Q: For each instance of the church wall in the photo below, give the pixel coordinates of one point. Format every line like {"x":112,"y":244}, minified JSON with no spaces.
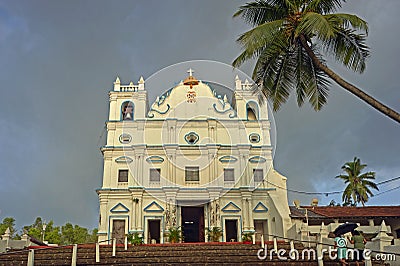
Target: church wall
{"x":158,"y":138}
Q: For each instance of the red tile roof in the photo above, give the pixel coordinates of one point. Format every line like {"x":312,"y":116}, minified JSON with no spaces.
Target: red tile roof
{"x":368,"y":211}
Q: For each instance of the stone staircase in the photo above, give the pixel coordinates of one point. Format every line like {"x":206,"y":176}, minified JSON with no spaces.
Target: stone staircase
{"x":158,"y":254}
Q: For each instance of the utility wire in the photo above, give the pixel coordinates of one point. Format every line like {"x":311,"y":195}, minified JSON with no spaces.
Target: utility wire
{"x":336,"y":192}
{"x":387,"y":181}
{"x":383,"y":192}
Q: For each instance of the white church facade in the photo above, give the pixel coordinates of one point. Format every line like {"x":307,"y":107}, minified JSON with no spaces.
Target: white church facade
{"x":193,"y":159}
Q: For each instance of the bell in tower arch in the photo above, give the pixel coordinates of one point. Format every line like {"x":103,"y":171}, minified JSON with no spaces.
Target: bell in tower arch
{"x":127,"y":113}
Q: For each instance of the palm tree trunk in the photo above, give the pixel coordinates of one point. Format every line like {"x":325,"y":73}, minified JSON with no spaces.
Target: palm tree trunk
{"x":349,"y":87}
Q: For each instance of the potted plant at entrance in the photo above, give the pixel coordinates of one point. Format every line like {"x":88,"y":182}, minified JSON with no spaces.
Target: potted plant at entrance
{"x":174,"y":234}
{"x":135,"y":239}
{"x":247,"y":238}
{"x":214,"y":234}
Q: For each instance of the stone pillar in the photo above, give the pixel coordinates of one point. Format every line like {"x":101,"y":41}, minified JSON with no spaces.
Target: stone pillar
{"x":171,"y":129}
{"x":206,"y":218}
{"x":304,"y":232}
{"x":173,"y":159}
{"x":139,"y":151}
{"x":213,"y":165}
{"x":170,"y":152}
{"x":7,"y":237}
{"x":141,"y":172}
{"x":244,"y":151}
{"x":214,"y":194}
{"x":136,"y":212}
{"x":103,"y":213}
{"x":323,"y":231}
{"x":246,"y":209}
{"x":250,"y":214}
{"x":107,"y":171}
{"x":140,"y":211}
{"x":111,"y":126}
{"x":25,"y":238}
{"x":113,"y":115}
{"x":170,"y":201}
{"x":382,"y":239}
{"x":244,"y":214}
{"x":210,"y":167}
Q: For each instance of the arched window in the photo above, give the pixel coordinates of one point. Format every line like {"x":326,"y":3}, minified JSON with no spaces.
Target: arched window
{"x":252,"y":111}
{"x":127,"y":110}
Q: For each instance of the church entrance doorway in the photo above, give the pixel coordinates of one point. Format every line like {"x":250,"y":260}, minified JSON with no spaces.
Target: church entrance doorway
{"x":193,"y":224}
{"x":261,"y":228}
{"x":118,"y":231}
{"x":231,"y":231}
{"x":154,"y":231}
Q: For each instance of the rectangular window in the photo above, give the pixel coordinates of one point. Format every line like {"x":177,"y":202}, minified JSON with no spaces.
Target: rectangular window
{"x":192,"y":174}
{"x":258,"y":175}
{"x":229,"y":175}
{"x":155,"y":174}
{"x":123,"y":175}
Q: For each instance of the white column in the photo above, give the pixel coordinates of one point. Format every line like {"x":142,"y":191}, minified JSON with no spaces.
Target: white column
{"x":140,"y":209}
{"x":103,"y":213}
{"x":250,"y":213}
{"x":210,"y":167}
{"x":107,"y":170}
{"x":244,"y":214}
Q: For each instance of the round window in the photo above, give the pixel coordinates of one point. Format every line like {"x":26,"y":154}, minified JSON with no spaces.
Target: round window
{"x":125,"y":138}
{"x":191,"y":138}
{"x":254,"y":138}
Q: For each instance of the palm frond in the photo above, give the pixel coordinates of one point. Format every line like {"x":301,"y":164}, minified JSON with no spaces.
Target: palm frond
{"x":346,"y":21}
{"x":275,"y":70}
{"x":255,"y":40}
{"x":349,"y":49}
{"x":258,"y":12}
{"x":316,"y":84}
{"x":323,"y":6}
{"x":371,"y":184}
{"x":358,"y":185}
{"x":318,"y":95}
{"x":314,"y":24}
{"x":301,"y":85}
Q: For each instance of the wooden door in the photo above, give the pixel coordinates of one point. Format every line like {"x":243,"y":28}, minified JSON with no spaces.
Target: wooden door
{"x":118,"y":231}
{"x":261,"y":228}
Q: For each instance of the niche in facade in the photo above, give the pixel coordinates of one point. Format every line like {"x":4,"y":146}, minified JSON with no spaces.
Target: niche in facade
{"x":254,"y":138}
{"x":127,"y":109}
{"x":252,"y":111}
{"x":125,"y":138}
{"x":191,"y":138}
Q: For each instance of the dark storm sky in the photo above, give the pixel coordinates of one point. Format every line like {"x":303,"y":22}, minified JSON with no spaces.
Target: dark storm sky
{"x":58,"y":60}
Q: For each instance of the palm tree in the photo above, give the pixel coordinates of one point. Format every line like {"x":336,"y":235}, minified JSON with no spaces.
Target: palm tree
{"x":287,"y":40}
{"x":358,"y":184}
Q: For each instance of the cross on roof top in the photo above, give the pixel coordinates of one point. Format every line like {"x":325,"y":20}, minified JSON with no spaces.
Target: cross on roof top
{"x":190,"y":71}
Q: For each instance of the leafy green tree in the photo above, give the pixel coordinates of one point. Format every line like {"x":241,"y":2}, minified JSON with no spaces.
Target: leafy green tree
{"x":359,"y":184}
{"x":64,"y":235}
{"x":67,"y":234}
{"x":52,"y":233}
{"x":35,"y":230}
{"x":74,"y":234}
{"x":288,"y":39}
{"x":93,"y":236}
{"x":8,"y":222}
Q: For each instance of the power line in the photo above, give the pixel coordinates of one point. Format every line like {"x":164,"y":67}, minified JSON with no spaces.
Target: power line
{"x":389,"y":180}
{"x":305,"y":192}
{"x":336,"y":192}
{"x":383,"y":192}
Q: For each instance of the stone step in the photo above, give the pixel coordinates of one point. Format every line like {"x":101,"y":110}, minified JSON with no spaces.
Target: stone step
{"x":160,"y":254}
